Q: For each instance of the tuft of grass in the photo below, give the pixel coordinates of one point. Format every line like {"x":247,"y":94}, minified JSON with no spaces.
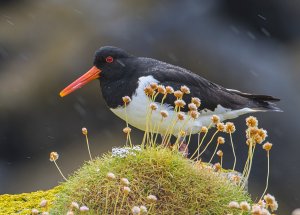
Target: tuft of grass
{"x":181,"y":187}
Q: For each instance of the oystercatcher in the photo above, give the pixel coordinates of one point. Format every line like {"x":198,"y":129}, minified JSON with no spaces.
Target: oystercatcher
{"x":122,"y":74}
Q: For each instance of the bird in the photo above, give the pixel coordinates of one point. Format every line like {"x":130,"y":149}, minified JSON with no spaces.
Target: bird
{"x":122,"y":74}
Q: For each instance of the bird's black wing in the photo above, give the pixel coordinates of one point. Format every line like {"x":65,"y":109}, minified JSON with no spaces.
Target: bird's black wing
{"x":211,"y":94}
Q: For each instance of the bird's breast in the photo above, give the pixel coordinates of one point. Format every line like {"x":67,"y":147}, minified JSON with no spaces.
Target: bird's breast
{"x":138,"y":113}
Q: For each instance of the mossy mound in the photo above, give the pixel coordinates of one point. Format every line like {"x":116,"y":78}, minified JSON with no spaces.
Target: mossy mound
{"x":25,"y":202}
{"x":181,"y":187}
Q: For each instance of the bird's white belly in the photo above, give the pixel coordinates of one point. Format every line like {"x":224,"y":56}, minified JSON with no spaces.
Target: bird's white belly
{"x":137,"y":111}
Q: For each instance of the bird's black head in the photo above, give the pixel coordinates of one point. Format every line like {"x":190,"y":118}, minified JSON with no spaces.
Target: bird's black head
{"x":111,"y":61}
{"x":109,"y":64}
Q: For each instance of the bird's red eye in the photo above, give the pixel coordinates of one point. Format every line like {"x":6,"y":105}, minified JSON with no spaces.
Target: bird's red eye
{"x":109,"y":59}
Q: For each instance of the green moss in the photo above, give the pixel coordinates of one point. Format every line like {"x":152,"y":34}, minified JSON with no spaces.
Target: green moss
{"x":25,"y":202}
{"x":180,"y":186}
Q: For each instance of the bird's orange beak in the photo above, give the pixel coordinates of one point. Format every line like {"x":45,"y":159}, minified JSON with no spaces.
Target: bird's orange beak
{"x":92,"y":74}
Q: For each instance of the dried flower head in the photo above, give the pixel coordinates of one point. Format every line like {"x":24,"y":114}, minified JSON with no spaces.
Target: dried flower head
{"x":152,"y":198}
{"x":204,"y":129}
{"x":111,"y":176}
{"x":192,"y":106}
{"x":215,"y":119}
{"x":178,"y":94}
{"x":235,"y":178}
{"x":263,"y":134}
{"x":135,"y":210}
{"x":74,"y":205}
{"x":267,"y":146}
{"x":271,"y":202}
{"x":84,"y":208}
{"x":149,"y":91}
{"x":221,"y":127}
{"x":220,"y":140}
{"x":179,"y":103}
{"x":34,"y":211}
{"x":161,"y":89}
{"x":45,"y":213}
{"x":233,"y":204}
{"x":245,"y":206}
{"x":269,"y":199}
{"x":164,"y":113}
{"x":84,"y":131}
{"x":256,"y":210}
{"x":220,"y":153}
{"x":180,"y":116}
{"x":126,"y":190}
{"x":185,"y":89}
{"x":70,"y":213}
{"x":169,"y":90}
{"x":194,"y":114}
{"x":217,"y":167}
{"x":126,"y":100}
{"x":43,"y":203}
{"x":143,"y":209}
{"x":196,"y":101}
{"x":126,"y":130}
{"x":229,"y":127}
{"x":154,"y":85}
{"x":182,"y":133}
{"x":125,"y":181}
{"x":153,"y":106}
{"x":53,"y":156}
{"x":251,"y":121}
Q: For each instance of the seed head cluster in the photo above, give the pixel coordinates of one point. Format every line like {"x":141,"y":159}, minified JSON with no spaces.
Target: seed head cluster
{"x":54,"y":156}
{"x":221,"y":140}
{"x":126,"y":100}
{"x":126,"y":130}
{"x":196,"y":101}
{"x":111,"y":176}
{"x":153,"y":106}
{"x":267,"y":146}
{"x":178,"y":94}
{"x":192,"y":106}
{"x":161,"y":89}
{"x":185,"y":89}
{"x":169,"y":90}
{"x":220,"y":153}
{"x":180,"y":116}
{"x":215,"y":119}
{"x":229,"y":127}
{"x":151,"y":198}
{"x":221,"y":127}
{"x":204,"y":129}
{"x":164,"y":113}
{"x":180,"y":103}
{"x":84,"y":131}
{"x":251,"y":121}
{"x":194,"y":114}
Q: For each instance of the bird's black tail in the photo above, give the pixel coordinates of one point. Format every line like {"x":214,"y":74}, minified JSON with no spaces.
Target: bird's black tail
{"x":262,"y":102}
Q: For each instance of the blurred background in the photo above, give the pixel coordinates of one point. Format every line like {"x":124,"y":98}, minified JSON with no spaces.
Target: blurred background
{"x":250,"y":45}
